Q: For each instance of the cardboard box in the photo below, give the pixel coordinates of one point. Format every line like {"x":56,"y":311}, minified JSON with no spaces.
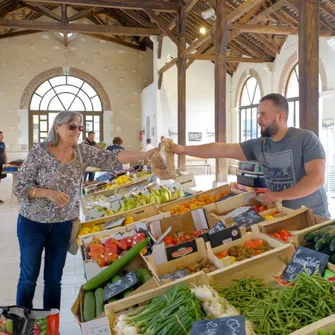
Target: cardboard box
{"x":326,"y":324}
{"x":138,"y":214}
{"x":186,"y":180}
{"x":299,"y":222}
{"x":248,"y":236}
{"x":99,"y":325}
{"x":160,"y":270}
{"x":188,"y":222}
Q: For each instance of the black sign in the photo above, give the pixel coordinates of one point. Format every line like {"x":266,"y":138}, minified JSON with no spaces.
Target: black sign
{"x":232,"y":325}
{"x":121,"y":285}
{"x":181,"y":250}
{"x":247,"y":219}
{"x":218,"y":227}
{"x":175,"y":275}
{"x":223,"y":236}
{"x":307,"y":260}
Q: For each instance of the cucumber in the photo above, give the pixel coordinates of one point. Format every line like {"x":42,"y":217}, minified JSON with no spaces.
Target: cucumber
{"x":89,"y":306}
{"x":319,"y":233}
{"x":320,"y":245}
{"x":115,"y":278}
{"x":310,"y":246}
{"x":99,"y":295}
{"x":327,"y":251}
{"x":313,"y":236}
{"x":332,"y":245}
{"x":112,"y":300}
{"x":143,"y":275}
{"x":332,"y":259}
{"x":329,"y":235}
{"x":115,"y":267}
{"x":128,"y":293}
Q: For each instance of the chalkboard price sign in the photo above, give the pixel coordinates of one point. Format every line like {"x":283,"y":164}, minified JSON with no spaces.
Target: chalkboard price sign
{"x":121,"y":285}
{"x":248,"y":219}
{"x":232,"y":325}
{"x":307,"y":260}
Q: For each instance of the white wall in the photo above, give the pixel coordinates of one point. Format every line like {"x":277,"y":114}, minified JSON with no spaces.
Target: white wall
{"x":199,"y":97}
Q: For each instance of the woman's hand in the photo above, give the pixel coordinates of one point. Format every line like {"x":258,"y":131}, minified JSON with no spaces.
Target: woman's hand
{"x":59,"y":198}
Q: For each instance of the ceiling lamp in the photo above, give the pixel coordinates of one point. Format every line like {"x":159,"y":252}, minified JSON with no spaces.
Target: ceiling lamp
{"x":209,"y":14}
{"x":203,"y":30}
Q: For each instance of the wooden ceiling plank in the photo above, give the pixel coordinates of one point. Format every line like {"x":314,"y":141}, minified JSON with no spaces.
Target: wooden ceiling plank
{"x":45,"y":11}
{"x":136,"y":17}
{"x":116,"y":40}
{"x":200,"y":41}
{"x":164,"y":28}
{"x":251,"y":13}
{"x":199,"y":52}
{"x":242,"y":10}
{"x":75,"y":27}
{"x":133,"y":4}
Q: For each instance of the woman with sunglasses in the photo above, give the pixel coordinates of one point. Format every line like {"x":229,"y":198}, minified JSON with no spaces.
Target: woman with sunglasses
{"x":48,"y":189}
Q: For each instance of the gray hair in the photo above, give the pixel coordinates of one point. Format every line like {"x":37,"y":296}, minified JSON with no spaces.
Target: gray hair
{"x":62,"y":118}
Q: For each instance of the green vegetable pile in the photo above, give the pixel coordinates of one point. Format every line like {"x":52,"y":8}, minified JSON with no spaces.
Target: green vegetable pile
{"x":322,"y":332}
{"x":275,"y":311}
{"x":172,"y":313}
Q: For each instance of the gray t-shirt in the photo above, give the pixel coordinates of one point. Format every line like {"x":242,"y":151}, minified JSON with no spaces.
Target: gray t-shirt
{"x":283,"y":165}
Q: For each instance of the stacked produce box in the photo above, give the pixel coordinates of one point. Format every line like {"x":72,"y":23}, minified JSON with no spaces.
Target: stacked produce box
{"x":218,"y":257}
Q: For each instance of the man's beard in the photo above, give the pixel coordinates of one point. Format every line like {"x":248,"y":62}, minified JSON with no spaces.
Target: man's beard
{"x":271,"y":130}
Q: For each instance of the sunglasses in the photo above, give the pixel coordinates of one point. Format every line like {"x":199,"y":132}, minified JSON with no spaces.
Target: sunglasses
{"x":73,"y":127}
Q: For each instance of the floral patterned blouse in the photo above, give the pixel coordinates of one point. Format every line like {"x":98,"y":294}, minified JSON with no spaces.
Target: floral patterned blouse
{"x":42,"y":169}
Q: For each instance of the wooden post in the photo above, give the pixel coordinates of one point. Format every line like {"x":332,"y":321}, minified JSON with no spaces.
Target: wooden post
{"x":220,"y":85}
{"x":309,"y":64}
{"x":181,"y":64}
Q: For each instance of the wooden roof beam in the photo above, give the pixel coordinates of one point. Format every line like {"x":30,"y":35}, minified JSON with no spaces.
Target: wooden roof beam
{"x":273,"y":30}
{"x":230,"y":59}
{"x":19,"y":33}
{"x":43,"y":10}
{"x":77,"y":28}
{"x":161,"y":25}
{"x":167,"y":66}
{"x":85,"y":13}
{"x":133,"y":4}
{"x":242,"y":10}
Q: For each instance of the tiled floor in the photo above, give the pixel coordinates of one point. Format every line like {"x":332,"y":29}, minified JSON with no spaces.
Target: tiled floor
{"x":73,"y":271}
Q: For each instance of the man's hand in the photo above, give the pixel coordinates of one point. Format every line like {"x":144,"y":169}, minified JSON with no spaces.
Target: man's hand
{"x":149,"y":153}
{"x":271,"y":197}
{"x":59,"y":198}
{"x":177,"y":149}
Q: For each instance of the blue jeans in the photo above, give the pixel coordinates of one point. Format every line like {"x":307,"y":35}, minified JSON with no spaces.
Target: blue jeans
{"x":33,"y":238}
{"x":90,"y":176}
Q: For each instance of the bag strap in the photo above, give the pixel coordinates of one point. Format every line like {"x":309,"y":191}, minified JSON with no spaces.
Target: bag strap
{"x":80,"y":158}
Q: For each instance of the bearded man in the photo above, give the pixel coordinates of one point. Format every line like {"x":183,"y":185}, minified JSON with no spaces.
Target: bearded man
{"x":293,"y":160}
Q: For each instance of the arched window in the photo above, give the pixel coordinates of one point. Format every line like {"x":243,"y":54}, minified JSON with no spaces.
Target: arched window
{"x":292,"y":95}
{"x":250,"y":97}
{"x":64,"y":93}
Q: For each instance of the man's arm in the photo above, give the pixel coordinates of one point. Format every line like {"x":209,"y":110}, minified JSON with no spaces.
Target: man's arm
{"x":211,"y":150}
{"x":314,"y":179}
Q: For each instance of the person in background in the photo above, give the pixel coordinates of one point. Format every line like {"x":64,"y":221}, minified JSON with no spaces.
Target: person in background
{"x":3,"y":158}
{"x":90,"y":141}
{"x":117,"y":141}
{"x":293,"y":160}
{"x":160,"y":143}
{"x":148,"y":146}
{"x":48,"y":190}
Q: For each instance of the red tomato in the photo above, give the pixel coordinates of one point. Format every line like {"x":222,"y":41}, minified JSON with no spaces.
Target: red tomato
{"x":284,"y":238}
{"x":111,"y":241}
{"x":168,"y":240}
{"x":186,"y":237}
{"x":111,"y":257}
{"x":284,"y":232}
{"x":111,"y":248}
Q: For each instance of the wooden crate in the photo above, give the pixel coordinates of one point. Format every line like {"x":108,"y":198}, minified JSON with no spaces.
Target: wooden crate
{"x":168,"y":206}
{"x":142,"y":298}
{"x":299,"y":222}
{"x":138,"y":214}
{"x":326,"y":324}
{"x":121,"y":188}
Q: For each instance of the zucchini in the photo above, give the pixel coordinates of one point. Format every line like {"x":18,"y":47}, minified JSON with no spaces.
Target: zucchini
{"x":99,"y":295}
{"x":115,"y":278}
{"x":89,"y":306}
{"x":332,"y":245}
{"x":327,"y":251}
{"x":320,"y":245}
{"x":143,"y":275}
{"x":128,"y":293}
{"x":115,"y":267}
